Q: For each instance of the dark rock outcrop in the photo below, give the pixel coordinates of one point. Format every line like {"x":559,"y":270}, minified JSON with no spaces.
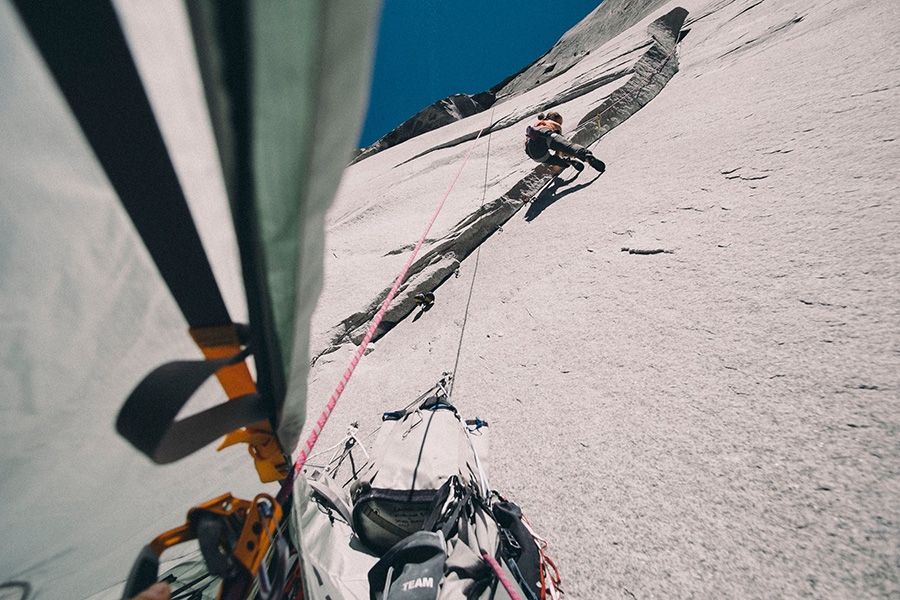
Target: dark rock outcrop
{"x":443,"y":112}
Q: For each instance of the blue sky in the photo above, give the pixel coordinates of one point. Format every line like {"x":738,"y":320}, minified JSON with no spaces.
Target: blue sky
{"x":431,"y":49}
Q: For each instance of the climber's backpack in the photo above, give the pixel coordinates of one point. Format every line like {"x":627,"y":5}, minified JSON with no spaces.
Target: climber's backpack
{"x":426,"y":524}
{"x":416,"y":458}
{"x":533,"y":133}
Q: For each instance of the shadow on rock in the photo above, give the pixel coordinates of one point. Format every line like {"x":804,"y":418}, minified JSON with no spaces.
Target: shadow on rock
{"x":551,"y":194}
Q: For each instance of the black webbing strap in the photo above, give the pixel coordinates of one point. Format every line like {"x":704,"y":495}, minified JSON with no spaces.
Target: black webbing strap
{"x":85,"y":49}
{"x":222,"y":39}
{"x":147,"y":418}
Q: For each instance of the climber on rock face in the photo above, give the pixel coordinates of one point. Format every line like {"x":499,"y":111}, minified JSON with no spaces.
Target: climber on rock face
{"x":546,"y":135}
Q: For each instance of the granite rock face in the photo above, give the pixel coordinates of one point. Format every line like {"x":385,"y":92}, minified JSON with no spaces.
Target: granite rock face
{"x":441,"y":260}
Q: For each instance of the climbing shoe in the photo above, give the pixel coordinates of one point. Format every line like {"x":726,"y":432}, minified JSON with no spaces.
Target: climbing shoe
{"x":596,"y":164}
{"x":426,"y":300}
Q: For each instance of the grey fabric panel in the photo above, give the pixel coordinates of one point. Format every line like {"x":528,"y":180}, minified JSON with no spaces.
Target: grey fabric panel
{"x":301,"y":186}
{"x":335,"y":563}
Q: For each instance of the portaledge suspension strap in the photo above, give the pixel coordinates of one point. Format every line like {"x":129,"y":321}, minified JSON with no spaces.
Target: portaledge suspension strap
{"x":85,"y":49}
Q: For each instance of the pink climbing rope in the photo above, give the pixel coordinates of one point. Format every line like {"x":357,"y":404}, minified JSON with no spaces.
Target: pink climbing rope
{"x":360,"y":350}
{"x":504,"y":580}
